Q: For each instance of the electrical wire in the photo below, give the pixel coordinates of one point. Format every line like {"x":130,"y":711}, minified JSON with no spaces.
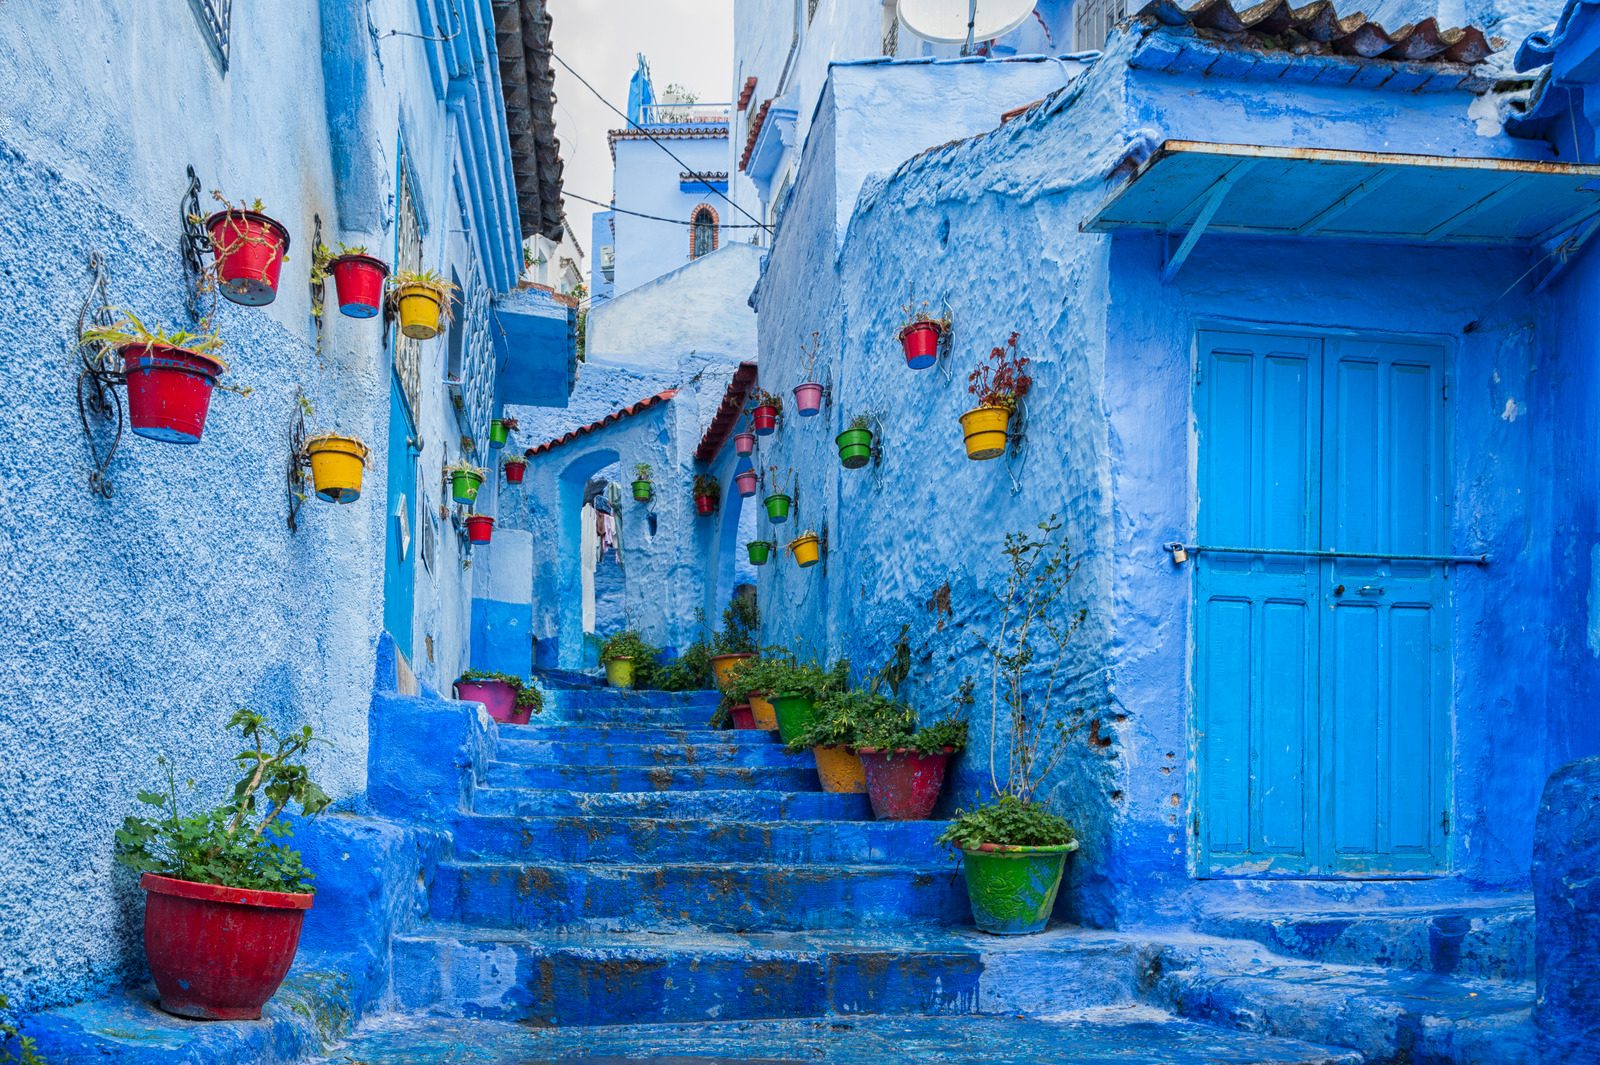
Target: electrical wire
{"x":656,"y":217}
{"x":654,"y":140}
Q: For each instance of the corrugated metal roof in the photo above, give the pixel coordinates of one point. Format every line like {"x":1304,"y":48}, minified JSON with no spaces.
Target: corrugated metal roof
{"x":727,"y":416}
{"x":1319,"y":28}
{"x":527,"y":83}
{"x":610,"y":419}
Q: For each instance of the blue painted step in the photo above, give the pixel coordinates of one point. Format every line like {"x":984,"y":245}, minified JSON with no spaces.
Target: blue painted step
{"x":654,"y":778}
{"x":687,"y":710}
{"x":760,"y":805}
{"x":572,"y":732}
{"x":658,"y":841}
{"x":565,"y":752}
{"x":726,"y":897}
{"x":598,"y":978}
{"x":1115,"y":1036}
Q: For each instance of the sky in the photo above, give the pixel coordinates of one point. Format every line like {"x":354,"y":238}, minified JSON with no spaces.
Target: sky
{"x":689,"y":42}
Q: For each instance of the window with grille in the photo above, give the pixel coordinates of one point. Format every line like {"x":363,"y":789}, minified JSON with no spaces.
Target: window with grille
{"x":1092,"y":21}
{"x":703,"y":232}
{"x":408,"y":256}
{"x":215,"y":18}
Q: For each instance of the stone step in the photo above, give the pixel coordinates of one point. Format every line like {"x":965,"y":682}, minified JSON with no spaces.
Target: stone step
{"x":653,"y":777}
{"x":648,"y":840}
{"x":612,"y":707}
{"x":567,"y":752}
{"x":1490,"y":940}
{"x":572,"y":732}
{"x":718,"y":897}
{"x":597,"y":978}
{"x":1386,"y":1014}
{"x":740,"y":805}
{"x":1125,"y":1035}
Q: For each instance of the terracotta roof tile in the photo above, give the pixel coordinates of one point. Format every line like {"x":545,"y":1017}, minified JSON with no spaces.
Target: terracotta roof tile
{"x":615,"y":416}
{"x":755,"y":131}
{"x":1318,"y":28}
{"x":727,"y":416}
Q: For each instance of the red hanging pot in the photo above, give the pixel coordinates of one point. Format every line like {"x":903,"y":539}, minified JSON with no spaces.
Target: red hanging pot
{"x":480,"y":528}
{"x":807,"y":399}
{"x":921,"y":344}
{"x":746,"y":482}
{"x":359,"y":281}
{"x":249,"y":248}
{"x":169,"y":391}
{"x":903,"y":785}
{"x":515,"y":471}
{"x":744,"y":444}
{"x":743,"y":716}
{"x":705,"y":505}
{"x":765,"y":420}
{"x":219,"y":953}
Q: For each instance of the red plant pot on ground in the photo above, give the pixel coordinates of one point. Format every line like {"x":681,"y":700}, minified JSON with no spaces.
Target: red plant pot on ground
{"x":746,"y":482}
{"x":743,"y":716}
{"x":807,"y":399}
{"x":359,"y":280}
{"x":480,"y":528}
{"x":219,"y":953}
{"x":514,"y":472}
{"x":704,"y":505}
{"x":903,"y":785}
{"x":765,"y":419}
{"x":921,"y":344}
{"x":744,"y":444}
{"x":497,"y":697}
{"x":249,"y":249}
{"x":169,"y":391}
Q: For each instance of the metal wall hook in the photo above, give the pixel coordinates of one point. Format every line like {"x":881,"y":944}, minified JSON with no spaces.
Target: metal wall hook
{"x":945,"y":358}
{"x":298,"y":460}
{"x":99,"y":403}
{"x":1016,"y":440}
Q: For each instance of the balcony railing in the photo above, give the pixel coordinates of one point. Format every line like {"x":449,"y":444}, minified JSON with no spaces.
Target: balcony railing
{"x":685,"y":114}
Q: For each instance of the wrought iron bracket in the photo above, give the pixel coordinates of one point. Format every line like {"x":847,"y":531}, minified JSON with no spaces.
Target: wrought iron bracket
{"x":195,"y":245}
{"x":317,"y":280}
{"x":299,"y":460}
{"x":944,"y":359}
{"x":1016,"y":441}
{"x":99,"y":403}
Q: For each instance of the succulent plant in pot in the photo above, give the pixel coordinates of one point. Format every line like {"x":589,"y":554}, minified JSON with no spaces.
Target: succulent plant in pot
{"x":643,"y":489}
{"x":358,"y":279}
{"x":465,"y":480}
{"x":424,"y":301}
{"x":516,"y":467}
{"x":170,"y":376}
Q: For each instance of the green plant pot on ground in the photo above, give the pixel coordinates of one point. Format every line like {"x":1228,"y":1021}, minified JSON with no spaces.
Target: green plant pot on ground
{"x":777,"y":508}
{"x":855,"y":448}
{"x":795,"y":714}
{"x":1013,"y":889}
{"x":619,"y":672}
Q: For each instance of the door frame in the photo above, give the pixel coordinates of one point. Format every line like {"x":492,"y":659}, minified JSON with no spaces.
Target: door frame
{"x":1449,"y":346}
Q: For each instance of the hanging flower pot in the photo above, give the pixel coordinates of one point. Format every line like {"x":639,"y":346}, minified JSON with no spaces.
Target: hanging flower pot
{"x":807,"y":399}
{"x":759,"y":551}
{"x":337,"y":465}
{"x":219,"y":953}
{"x":807,"y":549}
{"x":840,"y":770}
{"x":985,"y":430}
{"x":764,"y":413}
{"x":480,"y":528}
{"x":902,"y":784}
{"x":744,"y":444}
{"x":920,"y":341}
{"x":499,"y":433}
{"x":777,"y":506}
{"x":249,"y":249}
{"x":464,"y":483}
{"x":743,"y":716}
{"x":707,"y":492}
{"x":516,"y":469}
{"x":358,"y":279}
{"x":642,"y":491}
{"x":725,"y":666}
{"x":1012,"y":888}
{"x":169,"y":390}
{"x":422,"y":299}
{"x":855,"y":445}
{"x":704,"y":505}
{"x":745,"y":481}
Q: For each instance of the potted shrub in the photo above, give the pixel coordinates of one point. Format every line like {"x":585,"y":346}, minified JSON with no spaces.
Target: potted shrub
{"x":905,"y":766}
{"x":642,"y":488}
{"x":747,"y":684}
{"x":480,"y":528}
{"x":855,"y":443}
{"x":516,"y":467}
{"x":621,"y":654}
{"x":169,"y":376}
{"x":806,"y":548}
{"x":742,"y":716}
{"x":250,"y":250}
{"x":808,"y":394}
{"x":706,"y":493}
{"x":765,"y":407}
{"x":998,"y":385}
{"x":794,"y":688}
{"x":358,"y":280}
{"x":832,"y":733}
{"x":1015,"y":849}
{"x":777,"y":503}
{"x":224,"y":897}
{"x":920,"y":335}
{"x":507,"y":698}
{"x":423,"y":300}
{"x":500,"y":430}
{"x":465,"y":480}
{"x":337,"y":465}
{"x":735,"y":643}
{"x":760,"y":551}
{"x":744,"y":444}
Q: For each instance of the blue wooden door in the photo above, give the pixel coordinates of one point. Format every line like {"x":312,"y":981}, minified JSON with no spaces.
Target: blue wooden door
{"x":400,"y":549}
{"x":1320,"y":682}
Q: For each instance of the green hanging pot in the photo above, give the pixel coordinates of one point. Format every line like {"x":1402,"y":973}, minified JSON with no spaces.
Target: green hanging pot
{"x":1013,"y":889}
{"x":642,"y":491}
{"x":855,"y":448}
{"x":498,"y":433}
{"x":777,"y":508}
{"x":464,"y":485}
{"x":795,"y":713}
{"x":759,"y":550}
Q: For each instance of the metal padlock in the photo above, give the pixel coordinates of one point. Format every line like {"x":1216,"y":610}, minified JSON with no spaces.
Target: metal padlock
{"x":1179,"y":555}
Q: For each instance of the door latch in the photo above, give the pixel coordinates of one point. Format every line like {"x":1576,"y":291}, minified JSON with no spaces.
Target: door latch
{"x":1369,"y":589}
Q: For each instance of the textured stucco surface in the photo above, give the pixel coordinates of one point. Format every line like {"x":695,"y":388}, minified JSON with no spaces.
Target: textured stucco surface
{"x":706,"y":300}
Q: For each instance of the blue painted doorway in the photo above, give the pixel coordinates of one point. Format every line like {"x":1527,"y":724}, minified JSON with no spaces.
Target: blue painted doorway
{"x":1321,"y":679}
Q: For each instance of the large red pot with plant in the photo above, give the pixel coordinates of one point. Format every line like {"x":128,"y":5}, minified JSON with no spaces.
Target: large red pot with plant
{"x":764,"y":411}
{"x":359,"y":277}
{"x":707,"y":493}
{"x":219,"y":953}
{"x":902,"y":784}
{"x":169,"y":391}
{"x":249,"y":249}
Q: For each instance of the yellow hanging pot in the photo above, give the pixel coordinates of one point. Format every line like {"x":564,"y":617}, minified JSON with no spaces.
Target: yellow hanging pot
{"x":985,"y":429}
{"x":337,"y":464}
{"x":806,"y":549}
{"x":419,"y":311}
{"x":839,"y":769}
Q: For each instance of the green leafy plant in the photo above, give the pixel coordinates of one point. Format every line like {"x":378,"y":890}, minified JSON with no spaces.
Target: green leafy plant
{"x":628,"y":644}
{"x":529,"y":697}
{"x":1008,"y":821}
{"x":130,"y":331}
{"x":809,"y":679}
{"x":857,"y":718}
{"x":706,"y":485}
{"x":762,"y":398}
{"x":464,"y":466}
{"x":231,"y":844}
{"x":862,"y":422}
{"x":741,"y":622}
{"x":26,"y":1052}
{"x":641,"y":471}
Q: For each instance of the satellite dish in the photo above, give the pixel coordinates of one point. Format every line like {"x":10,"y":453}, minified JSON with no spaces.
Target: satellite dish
{"x":963,"y":21}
